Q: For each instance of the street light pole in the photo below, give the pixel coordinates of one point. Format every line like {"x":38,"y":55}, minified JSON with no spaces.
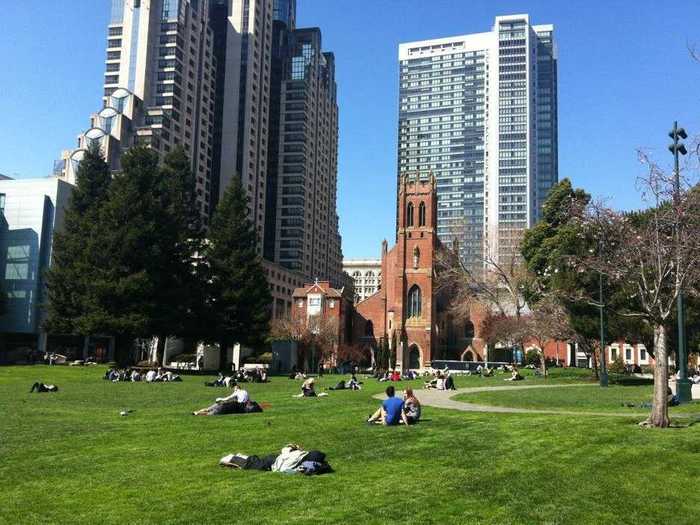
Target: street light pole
{"x":683,"y":387}
{"x":603,"y":368}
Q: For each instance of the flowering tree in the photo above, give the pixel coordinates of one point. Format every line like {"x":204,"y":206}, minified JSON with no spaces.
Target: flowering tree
{"x":653,"y":255}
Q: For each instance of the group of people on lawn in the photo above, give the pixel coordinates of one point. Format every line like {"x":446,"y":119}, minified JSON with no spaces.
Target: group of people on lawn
{"x":153,"y":375}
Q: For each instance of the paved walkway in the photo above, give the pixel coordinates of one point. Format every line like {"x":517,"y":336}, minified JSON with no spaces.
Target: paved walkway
{"x":444,"y":399}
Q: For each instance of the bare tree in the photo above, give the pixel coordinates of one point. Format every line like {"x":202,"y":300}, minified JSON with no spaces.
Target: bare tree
{"x":499,"y":283}
{"x":316,"y":338}
{"x":547,"y":322}
{"x":655,"y":255}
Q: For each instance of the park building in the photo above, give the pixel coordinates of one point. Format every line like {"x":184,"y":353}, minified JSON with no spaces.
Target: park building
{"x":479,"y":111}
{"x":366,"y":276}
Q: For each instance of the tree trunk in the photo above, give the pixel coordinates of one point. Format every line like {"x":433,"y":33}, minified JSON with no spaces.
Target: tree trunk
{"x":124,"y":346}
{"x":659,"y":410}
{"x":594,"y":357}
{"x":223,"y":357}
{"x":542,"y":363}
{"x":160,"y":350}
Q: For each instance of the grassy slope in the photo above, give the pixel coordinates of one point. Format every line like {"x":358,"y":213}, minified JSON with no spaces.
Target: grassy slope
{"x":70,"y":458}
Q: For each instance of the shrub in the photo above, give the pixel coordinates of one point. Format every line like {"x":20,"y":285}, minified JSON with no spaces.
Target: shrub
{"x":617,"y":366}
{"x":532,"y":357}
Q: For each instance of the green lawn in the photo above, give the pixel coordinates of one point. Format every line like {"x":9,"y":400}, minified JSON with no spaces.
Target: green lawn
{"x":70,"y":458}
{"x":590,"y":398}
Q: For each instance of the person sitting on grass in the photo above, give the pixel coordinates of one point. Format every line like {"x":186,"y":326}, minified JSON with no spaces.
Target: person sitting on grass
{"x":350,"y":384}
{"x":391,"y":412}
{"x":232,"y":404}
{"x":396,"y":375}
{"x":151,"y":376}
{"x":353,"y":384}
{"x":411,"y":407}
{"x":449,"y":382}
{"x":486,"y":371}
{"x":43,"y":387}
{"x":218,"y":382}
{"x":514,"y":375}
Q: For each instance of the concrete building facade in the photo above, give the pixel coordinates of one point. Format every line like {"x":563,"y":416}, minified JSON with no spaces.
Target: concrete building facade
{"x":199,"y":73}
{"x":366,"y":275}
{"x":306,"y":222}
{"x":479,"y":111}
{"x":159,"y":87}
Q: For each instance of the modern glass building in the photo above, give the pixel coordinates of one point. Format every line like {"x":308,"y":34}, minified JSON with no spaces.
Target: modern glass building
{"x":480,"y":112}
{"x":30,"y":211}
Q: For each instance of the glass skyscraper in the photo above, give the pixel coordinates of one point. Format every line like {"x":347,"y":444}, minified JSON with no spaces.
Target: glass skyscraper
{"x":480,"y":112}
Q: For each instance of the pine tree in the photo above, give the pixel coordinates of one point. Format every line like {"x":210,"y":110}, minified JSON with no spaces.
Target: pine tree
{"x":240,"y":298}
{"x":181,"y":291}
{"x":70,"y":275}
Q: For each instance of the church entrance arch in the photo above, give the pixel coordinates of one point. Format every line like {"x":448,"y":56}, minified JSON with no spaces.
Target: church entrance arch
{"x":414,"y":360}
{"x":468,"y":355}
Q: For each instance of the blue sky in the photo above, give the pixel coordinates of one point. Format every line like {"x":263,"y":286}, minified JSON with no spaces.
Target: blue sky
{"x":624,"y":75}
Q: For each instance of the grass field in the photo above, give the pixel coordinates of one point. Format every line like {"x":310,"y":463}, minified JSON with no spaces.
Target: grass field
{"x":70,"y":458}
{"x":615,"y":398}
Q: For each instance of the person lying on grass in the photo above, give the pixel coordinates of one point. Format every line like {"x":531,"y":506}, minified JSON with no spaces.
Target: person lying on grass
{"x":236,"y":403}
{"x":391,"y":412}
{"x":43,"y":387}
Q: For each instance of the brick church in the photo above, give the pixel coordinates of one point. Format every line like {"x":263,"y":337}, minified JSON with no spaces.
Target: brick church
{"x":407,"y":313}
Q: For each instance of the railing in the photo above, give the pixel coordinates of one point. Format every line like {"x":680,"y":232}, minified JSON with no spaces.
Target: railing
{"x":464,"y":366}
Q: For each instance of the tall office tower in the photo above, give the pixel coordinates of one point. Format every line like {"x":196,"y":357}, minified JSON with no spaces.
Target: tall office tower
{"x":244,"y":45}
{"x":282,"y":27}
{"x":307,"y":237}
{"x":158,"y":87}
{"x":480,"y":112}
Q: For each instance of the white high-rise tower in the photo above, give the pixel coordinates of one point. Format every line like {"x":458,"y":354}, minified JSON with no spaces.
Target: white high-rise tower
{"x":480,"y":112}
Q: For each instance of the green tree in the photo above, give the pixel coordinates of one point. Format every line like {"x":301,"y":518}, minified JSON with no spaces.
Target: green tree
{"x":180,"y":291}
{"x":239,"y":295}
{"x":70,"y":276}
{"x":548,"y":250}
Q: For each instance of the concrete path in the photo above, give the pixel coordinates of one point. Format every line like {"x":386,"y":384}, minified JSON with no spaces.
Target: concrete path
{"x":443,"y":399}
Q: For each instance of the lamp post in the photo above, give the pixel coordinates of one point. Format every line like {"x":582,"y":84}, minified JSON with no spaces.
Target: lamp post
{"x":683,"y":387}
{"x":601,"y":298}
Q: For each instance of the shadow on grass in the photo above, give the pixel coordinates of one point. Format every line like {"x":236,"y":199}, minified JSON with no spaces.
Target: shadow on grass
{"x":623,"y":380}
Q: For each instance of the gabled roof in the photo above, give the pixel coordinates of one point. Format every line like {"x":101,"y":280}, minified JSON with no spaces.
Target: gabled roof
{"x":316,"y":288}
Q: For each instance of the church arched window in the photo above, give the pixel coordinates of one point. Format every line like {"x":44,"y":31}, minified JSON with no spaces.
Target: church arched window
{"x":421,"y":214}
{"x":414,"y":301}
{"x":409,"y":215}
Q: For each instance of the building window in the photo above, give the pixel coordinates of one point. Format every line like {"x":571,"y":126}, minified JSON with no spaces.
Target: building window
{"x":421,"y":214}
{"x":414,"y":301}
{"x":628,"y":354}
{"x":409,"y":215}
{"x":642,"y":355}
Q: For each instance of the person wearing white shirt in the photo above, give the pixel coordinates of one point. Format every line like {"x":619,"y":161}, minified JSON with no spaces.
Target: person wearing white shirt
{"x":239,"y":396}
{"x":150,"y":376}
{"x":232,"y":404}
